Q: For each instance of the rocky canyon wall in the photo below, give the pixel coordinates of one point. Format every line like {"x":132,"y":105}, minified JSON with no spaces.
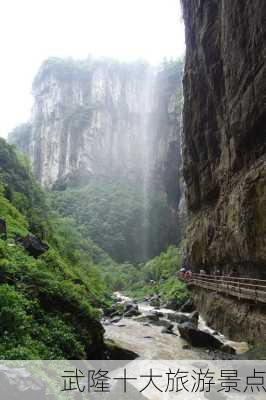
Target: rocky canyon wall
{"x":238,"y":320}
{"x":118,"y":124}
{"x":104,"y":118}
{"x":224,"y":134}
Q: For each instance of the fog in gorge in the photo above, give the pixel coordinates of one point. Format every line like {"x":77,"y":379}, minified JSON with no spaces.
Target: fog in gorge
{"x":108,"y":134}
{"x":98,"y":114}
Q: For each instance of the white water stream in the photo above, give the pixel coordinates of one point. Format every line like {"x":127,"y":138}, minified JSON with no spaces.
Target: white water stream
{"x":149,"y":342}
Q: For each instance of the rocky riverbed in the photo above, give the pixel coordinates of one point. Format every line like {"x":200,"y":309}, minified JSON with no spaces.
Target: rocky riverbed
{"x":162,"y":333}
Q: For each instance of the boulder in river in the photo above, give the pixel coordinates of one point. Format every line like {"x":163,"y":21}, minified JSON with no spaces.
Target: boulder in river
{"x":159,"y":313}
{"x":171,"y":305}
{"x":198,"y":338}
{"x":178,"y":317}
{"x":226,"y":348}
{"x":132,"y":312}
{"x":194,"y":318}
{"x":115,"y":352}
{"x":115,"y":320}
{"x":168,"y":330}
{"x":115,"y":310}
{"x":188,"y":306}
{"x":107,"y":311}
{"x":150,"y":318}
{"x":164,"y":323}
{"x":130,"y":306}
{"x":117,"y":313}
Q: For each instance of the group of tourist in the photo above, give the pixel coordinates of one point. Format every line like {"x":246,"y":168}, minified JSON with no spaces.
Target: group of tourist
{"x":185,"y":273}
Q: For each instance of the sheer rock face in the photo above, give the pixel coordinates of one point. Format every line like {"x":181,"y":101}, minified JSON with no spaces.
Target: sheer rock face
{"x":101,"y":117}
{"x":84,"y":121}
{"x":224,"y":133}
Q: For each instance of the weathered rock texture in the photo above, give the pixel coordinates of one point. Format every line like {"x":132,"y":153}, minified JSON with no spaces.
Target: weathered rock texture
{"x":224,"y":133}
{"x":237,"y":320}
{"x":101,"y":117}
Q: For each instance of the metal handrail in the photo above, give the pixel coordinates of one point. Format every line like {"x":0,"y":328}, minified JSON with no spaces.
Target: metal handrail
{"x":235,"y":286}
{"x":226,"y":277}
{"x":231,"y":284}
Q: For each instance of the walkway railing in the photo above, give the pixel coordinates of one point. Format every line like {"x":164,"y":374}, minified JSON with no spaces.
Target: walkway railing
{"x":242,"y":288}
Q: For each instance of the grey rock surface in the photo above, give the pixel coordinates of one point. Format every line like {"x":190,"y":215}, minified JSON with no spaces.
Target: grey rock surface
{"x":224,"y":134}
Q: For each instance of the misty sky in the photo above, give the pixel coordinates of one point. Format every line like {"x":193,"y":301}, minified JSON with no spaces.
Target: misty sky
{"x":33,"y":30}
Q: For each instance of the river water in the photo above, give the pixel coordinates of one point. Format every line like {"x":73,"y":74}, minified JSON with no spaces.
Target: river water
{"x":150,"y":343}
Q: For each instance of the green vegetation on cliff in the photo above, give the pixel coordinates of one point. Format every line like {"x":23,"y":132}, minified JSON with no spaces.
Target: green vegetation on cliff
{"x":157,"y":276}
{"x":117,"y":216}
{"x":21,"y":192}
{"x":48,"y":305}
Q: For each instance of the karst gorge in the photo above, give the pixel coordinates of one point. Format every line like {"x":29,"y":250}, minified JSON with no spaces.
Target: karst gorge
{"x":133,"y":202}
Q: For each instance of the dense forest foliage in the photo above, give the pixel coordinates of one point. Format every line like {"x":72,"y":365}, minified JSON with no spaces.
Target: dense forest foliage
{"x":48,"y":305}
{"x":127,"y":223}
{"x":157,"y":276}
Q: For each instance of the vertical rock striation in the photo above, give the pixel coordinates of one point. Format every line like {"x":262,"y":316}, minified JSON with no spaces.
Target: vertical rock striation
{"x":224,"y":133}
{"x":102,"y":117}
{"x":87,"y":119}
{"x":108,"y":120}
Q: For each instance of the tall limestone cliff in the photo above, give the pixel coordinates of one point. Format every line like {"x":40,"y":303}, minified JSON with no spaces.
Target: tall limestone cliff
{"x":224,"y":134}
{"x":111,"y":122}
{"x":101,"y":117}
